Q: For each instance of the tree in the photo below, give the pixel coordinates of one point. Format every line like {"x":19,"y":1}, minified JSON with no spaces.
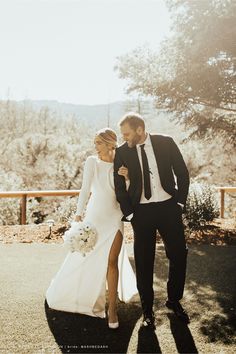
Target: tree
{"x":193,"y":75}
{"x":40,"y":150}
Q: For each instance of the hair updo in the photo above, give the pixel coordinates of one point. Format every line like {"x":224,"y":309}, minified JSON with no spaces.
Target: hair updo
{"x":108,"y":136}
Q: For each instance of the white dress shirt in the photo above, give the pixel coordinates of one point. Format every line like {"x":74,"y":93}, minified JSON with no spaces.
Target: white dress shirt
{"x":158,"y":193}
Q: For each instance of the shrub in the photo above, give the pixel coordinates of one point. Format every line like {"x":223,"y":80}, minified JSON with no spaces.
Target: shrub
{"x":10,"y":211}
{"x":66,"y":210}
{"x":201,"y":206}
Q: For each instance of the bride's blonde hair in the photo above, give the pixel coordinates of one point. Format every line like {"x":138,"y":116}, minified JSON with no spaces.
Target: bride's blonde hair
{"x":109,"y":137}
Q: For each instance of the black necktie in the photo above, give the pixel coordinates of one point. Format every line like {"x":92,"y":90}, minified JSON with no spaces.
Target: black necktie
{"x":146,"y":174}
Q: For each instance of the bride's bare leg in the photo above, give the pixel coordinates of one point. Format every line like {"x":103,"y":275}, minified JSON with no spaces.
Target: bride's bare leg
{"x":112,"y":276}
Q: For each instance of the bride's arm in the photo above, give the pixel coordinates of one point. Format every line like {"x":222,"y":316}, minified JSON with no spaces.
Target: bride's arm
{"x":86,"y":187}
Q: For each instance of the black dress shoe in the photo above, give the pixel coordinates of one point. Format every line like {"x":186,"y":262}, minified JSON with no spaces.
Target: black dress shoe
{"x":148,"y":321}
{"x":178,"y":310}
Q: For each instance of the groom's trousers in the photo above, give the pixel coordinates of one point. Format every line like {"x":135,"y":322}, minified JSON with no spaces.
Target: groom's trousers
{"x":166,"y":217}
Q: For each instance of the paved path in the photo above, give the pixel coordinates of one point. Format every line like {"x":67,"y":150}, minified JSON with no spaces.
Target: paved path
{"x":27,"y":326}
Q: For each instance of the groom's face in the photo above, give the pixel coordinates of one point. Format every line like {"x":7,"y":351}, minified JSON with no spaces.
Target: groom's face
{"x":130,"y":135}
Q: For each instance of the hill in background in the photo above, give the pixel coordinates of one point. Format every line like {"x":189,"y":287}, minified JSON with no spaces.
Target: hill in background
{"x":102,"y":115}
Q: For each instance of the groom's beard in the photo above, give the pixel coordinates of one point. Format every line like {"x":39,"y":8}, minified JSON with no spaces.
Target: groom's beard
{"x":134,"y":141}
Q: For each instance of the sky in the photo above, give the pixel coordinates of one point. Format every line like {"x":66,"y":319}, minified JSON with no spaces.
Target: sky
{"x":66,"y":50}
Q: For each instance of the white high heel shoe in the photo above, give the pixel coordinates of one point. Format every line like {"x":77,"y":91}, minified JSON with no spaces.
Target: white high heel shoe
{"x":112,"y":325}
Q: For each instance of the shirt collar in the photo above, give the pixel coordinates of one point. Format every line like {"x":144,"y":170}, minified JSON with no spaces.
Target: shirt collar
{"x":147,"y":141}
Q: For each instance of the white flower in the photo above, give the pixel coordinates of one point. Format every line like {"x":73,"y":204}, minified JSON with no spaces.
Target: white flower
{"x":81,"y":233}
{"x":87,"y":226}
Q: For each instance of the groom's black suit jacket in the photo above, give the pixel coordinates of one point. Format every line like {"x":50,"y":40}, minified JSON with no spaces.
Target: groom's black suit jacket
{"x":173,"y":172}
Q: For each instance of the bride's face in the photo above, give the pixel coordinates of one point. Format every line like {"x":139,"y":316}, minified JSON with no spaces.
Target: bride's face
{"x":101,"y":147}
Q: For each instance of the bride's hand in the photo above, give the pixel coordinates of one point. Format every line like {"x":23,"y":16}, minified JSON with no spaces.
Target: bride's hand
{"x":78,"y":218}
{"x":123,"y":171}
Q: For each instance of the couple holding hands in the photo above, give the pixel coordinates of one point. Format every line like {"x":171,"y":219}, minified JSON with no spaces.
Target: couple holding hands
{"x":143,"y":181}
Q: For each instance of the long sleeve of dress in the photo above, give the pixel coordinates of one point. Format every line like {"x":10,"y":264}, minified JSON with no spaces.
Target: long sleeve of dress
{"x":86,"y":185}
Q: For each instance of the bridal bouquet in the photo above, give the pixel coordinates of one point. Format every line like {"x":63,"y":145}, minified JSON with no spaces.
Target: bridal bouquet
{"x":81,"y":237}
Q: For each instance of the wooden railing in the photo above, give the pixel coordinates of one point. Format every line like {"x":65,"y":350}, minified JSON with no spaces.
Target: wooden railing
{"x":222,"y":191}
{"x":62,"y":193}
{"x":25,"y":194}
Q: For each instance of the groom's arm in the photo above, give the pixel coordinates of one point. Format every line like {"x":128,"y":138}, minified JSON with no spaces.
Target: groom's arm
{"x":122,"y":195}
{"x":180,"y":171}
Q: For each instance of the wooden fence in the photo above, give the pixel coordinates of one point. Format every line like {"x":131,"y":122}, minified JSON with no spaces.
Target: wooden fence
{"x":62,"y":193}
{"x":222,"y":191}
{"x":26,"y":194}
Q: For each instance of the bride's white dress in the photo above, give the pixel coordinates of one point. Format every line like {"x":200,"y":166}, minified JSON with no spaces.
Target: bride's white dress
{"x":80,"y":284}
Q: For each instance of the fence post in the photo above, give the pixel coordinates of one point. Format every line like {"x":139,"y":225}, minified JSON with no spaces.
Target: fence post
{"x":23,"y":204}
{"x":222,"y":203}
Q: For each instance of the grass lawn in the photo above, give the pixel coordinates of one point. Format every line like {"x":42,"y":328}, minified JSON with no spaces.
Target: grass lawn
{"x":209,"y":299}
{"x":29,"y":326}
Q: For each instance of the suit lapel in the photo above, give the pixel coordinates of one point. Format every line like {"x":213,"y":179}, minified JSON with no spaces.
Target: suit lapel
{"x":157,"y":153}
{"x":134,"y":160}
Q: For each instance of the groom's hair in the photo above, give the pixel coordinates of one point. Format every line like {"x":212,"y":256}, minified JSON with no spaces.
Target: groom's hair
{"x":134,"y":120}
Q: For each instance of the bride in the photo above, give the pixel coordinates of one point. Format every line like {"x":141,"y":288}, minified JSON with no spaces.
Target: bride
{"x":80,"y":284}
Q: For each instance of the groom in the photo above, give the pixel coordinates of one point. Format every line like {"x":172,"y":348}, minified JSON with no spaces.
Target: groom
{"x":155,"y":199}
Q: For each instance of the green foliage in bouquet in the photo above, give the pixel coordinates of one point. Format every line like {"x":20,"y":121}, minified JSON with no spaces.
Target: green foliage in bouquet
{"x":201,"y":206}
